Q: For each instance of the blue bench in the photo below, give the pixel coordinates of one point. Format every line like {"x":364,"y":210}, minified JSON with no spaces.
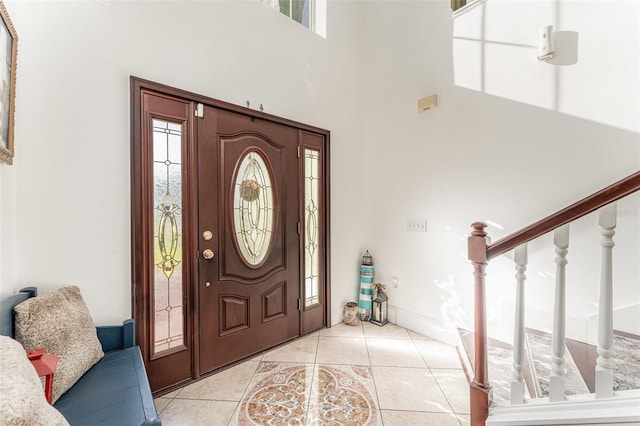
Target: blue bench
{"x":115,"y":391}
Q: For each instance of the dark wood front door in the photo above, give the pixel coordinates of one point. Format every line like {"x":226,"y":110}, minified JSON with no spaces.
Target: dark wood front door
{"x":249,"y":252}
{"x":229,"y":231}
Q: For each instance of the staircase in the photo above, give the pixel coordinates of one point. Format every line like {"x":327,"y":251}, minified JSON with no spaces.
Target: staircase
{"x":580,"y":364}
{"x":545,"y":378}
{"x":538,"y":350}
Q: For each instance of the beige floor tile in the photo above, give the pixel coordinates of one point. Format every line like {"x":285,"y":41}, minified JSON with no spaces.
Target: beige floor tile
{"x":302,"y":350}
{"x":190,"y":412}
{"x":257,"y":357}
{"x":161,"y":403}
{"x":414,"y":418}
{"x":438,"y":354}
{"x":227,"y":385}
{"x":388,"y":331}
{"x":455,"y":388}
{"x":417,"y":336}
{"x":379,"y":375}
{"x":409,"y":389}
{"x":394,"y":353}
{"x":234,"y":417}
{"x":343,"y":330}
{"x":342,"y":350}
{"x":171,"y":394}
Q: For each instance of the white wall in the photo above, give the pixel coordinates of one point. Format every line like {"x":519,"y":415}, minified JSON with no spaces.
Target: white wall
{"x":65,"y":201}
{"x":481,"y":155}
{"x":495,"y":151}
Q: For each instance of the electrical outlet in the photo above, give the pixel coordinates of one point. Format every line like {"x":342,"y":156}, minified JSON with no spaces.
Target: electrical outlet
{"x":417,"y":225}
{"x":394,"y":282}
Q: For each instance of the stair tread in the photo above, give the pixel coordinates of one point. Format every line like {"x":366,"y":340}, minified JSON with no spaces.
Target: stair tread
{"x":626,"y":359}
{"x":579,"y":364}
{"x":540,"y":350}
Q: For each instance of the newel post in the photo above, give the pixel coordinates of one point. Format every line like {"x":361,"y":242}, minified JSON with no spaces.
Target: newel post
{"x":480,"y":387}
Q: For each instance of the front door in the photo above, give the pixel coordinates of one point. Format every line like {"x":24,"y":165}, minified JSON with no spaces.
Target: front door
{"x":249,"y":251}
{"x":229,"y":231}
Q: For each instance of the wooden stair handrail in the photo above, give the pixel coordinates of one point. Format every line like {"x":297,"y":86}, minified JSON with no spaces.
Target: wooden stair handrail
{"x":593,"y":202}
{"x":480,"y":253}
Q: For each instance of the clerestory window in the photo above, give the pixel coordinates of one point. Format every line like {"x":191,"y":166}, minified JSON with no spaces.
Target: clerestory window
{"x":310,"y":13}
{"x":457,"y":4}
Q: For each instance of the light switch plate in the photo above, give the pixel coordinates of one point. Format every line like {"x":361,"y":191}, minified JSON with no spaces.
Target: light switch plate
{"x":417,"y":225}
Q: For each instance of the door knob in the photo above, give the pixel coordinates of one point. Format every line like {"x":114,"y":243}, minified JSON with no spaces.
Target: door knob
{"x":208,"y":254}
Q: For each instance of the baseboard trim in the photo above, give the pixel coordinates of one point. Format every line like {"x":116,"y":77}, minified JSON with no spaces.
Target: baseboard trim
{"x":423,"y":324}
{"x":623,"y":408}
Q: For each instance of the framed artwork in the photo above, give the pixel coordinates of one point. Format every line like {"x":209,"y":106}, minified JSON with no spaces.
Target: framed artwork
{"x":8,"y":54}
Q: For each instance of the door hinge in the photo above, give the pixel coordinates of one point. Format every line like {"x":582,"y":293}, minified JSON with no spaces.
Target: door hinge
{"x":200,"y":111}
{"x":298,"y":151}
{"x":299,"y":227}
{"x":300,"y":304}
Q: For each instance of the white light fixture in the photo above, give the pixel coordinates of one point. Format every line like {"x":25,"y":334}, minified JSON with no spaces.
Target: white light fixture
{"x":546,"y":48}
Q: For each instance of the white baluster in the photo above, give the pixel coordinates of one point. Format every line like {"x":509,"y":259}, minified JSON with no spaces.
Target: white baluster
{"x":517,"y":383}
{"x":604,"y":364}
{"x":557,"y":385}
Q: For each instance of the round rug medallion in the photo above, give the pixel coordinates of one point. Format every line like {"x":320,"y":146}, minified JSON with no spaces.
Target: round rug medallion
{"x":295,"y":396}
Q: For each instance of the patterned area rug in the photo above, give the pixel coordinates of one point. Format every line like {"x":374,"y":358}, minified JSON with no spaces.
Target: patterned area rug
{"x":540,"y":350}
{"x":500,"y":372}
{"x":626,"y":356}
{"x":286,"y":394}
{"x":626,"y":359}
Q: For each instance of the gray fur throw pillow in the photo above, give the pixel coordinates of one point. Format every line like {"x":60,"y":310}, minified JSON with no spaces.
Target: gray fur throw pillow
{"x":61,"y":323}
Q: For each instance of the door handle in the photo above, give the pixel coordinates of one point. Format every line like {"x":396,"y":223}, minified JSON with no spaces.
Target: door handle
{"x":208,"y":254}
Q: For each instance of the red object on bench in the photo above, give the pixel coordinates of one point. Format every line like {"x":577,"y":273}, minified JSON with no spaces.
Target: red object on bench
{"x":45,"y":365}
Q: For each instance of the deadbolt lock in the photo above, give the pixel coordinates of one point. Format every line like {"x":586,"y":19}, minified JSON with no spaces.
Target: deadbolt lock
{"x":208,"y":254}
{"x":207,"y":284}
{"x":207,"y":235}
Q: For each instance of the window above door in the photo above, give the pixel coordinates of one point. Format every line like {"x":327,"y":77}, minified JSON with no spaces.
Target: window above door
{"x":310,"y":13}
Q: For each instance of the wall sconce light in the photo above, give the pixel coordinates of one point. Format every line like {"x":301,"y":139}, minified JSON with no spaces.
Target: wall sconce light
{"x":546,"y":47}
{"x":427,"y":103}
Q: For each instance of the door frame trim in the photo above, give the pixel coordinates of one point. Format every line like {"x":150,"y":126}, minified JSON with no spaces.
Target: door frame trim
{"x":139,"y":244}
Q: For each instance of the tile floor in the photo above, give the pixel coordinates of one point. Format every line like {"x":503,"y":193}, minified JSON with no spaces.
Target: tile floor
{"x":345,"y":375}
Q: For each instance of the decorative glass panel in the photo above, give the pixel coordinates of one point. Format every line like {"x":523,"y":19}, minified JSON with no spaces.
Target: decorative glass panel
{"x":312,"y":226}
{"x":253,"y":206}
{"x":167,"y":239}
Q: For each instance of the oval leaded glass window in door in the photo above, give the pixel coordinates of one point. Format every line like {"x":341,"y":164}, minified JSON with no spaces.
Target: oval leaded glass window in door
{"x":253,"y":208}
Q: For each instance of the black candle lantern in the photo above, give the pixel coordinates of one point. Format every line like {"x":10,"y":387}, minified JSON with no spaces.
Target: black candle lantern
{"x":380,"y":311}
{"x":367,"y":259}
